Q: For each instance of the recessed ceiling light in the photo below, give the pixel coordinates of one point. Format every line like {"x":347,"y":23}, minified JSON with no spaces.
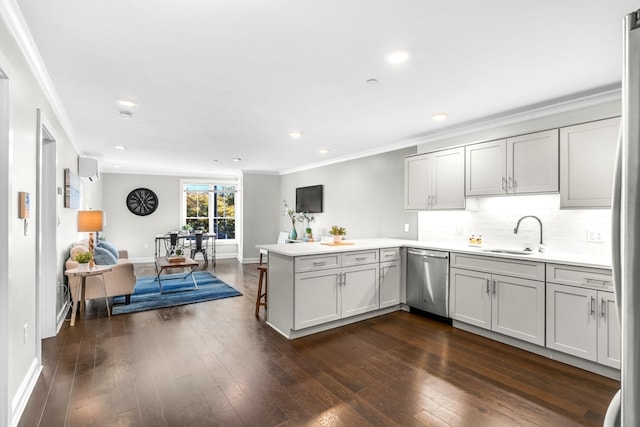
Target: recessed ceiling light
{"x":439,"y":117}
{"x":398,"y":56}
{"x":127,"y":103}
{"x":236,"y":159}
{"x":324,"y":150}
{"x":125,"y":114}
{"x":120,"y":147}
{"x":295,"y":134}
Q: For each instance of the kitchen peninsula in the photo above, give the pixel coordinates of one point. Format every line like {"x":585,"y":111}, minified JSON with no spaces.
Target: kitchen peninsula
{"x":531,"y":299}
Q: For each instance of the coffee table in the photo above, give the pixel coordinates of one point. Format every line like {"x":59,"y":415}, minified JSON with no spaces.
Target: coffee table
{"x":163,"y":263}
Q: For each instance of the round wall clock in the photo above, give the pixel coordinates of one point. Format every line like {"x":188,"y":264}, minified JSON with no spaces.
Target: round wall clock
{"x":142,"y":201}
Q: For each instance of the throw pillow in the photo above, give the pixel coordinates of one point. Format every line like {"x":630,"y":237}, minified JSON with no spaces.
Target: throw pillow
{"x":103,"y":257}
{"x":108,"y":246}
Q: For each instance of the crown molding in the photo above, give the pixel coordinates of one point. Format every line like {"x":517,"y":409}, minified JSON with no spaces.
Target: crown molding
{"x":17,"y":28}
{"x":530,"y":112}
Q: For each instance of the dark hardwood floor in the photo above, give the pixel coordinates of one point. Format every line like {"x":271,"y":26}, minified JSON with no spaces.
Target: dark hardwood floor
{"x":215,"y":364}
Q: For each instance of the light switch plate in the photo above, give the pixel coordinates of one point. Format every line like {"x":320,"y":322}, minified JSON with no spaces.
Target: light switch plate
{"x":595,"y":236}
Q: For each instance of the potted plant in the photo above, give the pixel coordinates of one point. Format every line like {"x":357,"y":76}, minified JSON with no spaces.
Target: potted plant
{"x":337,"y":233}
{"x":83,"y":259}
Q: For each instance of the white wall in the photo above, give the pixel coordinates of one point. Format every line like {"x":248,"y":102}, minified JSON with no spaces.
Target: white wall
{"x":495,"y":217}
{"x":26,"y":96}
{"x":364,"y":195}
{"x":261,"y":208}
{"x":137,"y":233}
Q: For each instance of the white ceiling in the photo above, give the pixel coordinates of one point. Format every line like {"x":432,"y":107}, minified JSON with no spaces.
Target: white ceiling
{"x":217,"y":79}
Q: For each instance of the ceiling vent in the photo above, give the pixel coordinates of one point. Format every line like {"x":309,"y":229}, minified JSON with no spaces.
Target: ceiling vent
{"x":88,"y":168}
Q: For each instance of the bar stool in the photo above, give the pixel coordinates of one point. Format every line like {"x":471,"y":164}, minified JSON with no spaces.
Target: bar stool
{"x":262,"y":277}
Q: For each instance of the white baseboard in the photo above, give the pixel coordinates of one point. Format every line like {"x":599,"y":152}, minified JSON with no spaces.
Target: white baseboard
{"x":62,"y":315}
{"x":19,"y":401}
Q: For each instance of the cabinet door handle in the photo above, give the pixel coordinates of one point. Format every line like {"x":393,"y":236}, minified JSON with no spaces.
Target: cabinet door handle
{"x":592,"y":304}
{"x":511,"y":183}
{"x":504,"y":183}
{"x":488,"y":287}
{"x":603,"y":308}
{"x":494,"y":288}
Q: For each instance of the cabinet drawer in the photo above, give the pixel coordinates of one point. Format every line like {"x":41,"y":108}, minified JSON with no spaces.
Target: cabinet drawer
{"x":316,"y":262}
{"x":593,"y":278}
{"x":389,"y":254}
{"x":359,"y":257}
{"x":512,"y":267}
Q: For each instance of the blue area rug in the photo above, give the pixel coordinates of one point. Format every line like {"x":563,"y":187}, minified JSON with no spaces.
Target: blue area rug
{"x":147,"y":296}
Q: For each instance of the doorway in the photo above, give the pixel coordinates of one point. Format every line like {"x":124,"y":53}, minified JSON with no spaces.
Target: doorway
{"x":49,"y":303}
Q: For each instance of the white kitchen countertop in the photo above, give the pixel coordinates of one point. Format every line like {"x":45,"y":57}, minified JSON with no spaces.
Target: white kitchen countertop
{"x":316,"y":248}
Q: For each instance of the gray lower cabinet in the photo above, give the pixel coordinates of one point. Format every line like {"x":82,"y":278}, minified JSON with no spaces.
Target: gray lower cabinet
{"x":390,"y":281}
{"x":581,"y":315}
{"x":326,"y":294}
{"x":510,"y":305}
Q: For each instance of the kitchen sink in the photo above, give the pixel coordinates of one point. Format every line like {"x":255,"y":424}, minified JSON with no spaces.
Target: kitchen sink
{"x":508,"y":251}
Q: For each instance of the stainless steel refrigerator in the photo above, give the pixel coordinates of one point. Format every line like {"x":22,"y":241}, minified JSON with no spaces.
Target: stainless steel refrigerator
{"x":624,"y":409}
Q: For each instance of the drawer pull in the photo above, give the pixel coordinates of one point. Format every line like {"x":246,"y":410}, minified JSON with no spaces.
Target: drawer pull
{"x":590,"y":281}
{"x":389,"y":255}
{"x":361,"y":258}
{"x":319,"y":264}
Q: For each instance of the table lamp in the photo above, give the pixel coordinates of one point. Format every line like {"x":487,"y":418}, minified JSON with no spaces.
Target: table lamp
{"x":90,"y":221}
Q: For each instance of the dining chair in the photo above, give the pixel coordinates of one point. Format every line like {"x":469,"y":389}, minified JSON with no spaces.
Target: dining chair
{"x":199,"y":247}
{"x":173,"y":243}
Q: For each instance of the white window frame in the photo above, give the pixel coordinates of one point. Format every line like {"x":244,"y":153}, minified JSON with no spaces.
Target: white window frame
{"x":210,"y":182}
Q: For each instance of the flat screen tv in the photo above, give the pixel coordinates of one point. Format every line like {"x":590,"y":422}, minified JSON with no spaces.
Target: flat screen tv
{"x":309,"y":199}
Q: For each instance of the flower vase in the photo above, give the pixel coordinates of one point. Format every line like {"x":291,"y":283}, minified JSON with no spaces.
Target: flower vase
{"x":293,"y":235}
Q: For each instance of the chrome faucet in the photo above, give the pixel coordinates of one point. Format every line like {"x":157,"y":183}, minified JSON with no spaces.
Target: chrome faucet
{"x":515,"y":230}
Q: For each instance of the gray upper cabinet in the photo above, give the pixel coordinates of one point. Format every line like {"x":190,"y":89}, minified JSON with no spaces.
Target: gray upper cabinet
{"x":519,"y":165}
{"x":486,"y":168}
{"x":435,"y":180}
{"x":587,"y":158}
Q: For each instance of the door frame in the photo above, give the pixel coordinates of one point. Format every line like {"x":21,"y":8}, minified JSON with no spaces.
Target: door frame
{"x":46,"y":234}
{"x":5,"y":229}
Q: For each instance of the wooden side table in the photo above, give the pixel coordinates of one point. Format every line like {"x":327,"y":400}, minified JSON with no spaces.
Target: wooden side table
{"x":82,"y":275}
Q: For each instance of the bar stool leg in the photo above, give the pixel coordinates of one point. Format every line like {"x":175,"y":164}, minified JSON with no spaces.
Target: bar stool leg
{"x":261,"y":278}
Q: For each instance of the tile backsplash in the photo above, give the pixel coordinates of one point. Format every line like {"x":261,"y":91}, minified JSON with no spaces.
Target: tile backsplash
{"x":564,"y":230}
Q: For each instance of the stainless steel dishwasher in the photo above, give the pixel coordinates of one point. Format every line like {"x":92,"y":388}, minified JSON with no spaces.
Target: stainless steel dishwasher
{"x":428,"y":281}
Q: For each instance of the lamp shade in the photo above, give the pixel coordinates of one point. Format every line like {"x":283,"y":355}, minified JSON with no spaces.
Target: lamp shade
{"x":89,"y":221}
